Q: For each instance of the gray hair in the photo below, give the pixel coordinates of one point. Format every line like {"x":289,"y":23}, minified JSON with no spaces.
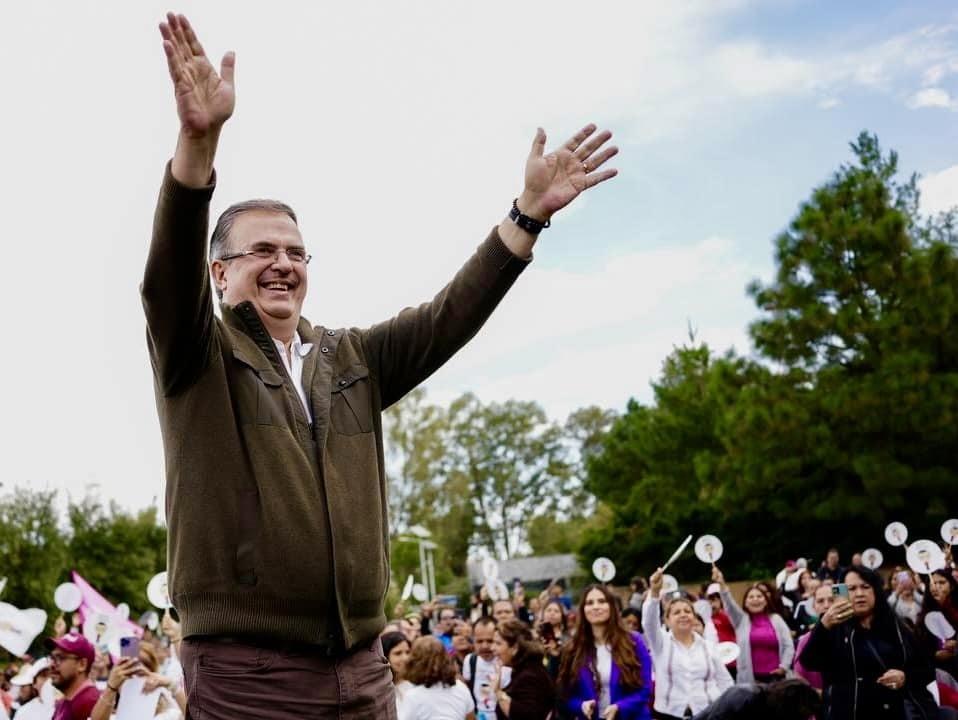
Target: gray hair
{"x":219,"y":240}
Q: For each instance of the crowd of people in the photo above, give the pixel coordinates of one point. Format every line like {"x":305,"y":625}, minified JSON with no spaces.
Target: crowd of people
{"x":835,"y":642}
{"x":77,"y":680}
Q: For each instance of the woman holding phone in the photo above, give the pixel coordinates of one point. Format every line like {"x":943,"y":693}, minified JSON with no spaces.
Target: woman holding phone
{"x":170,"y":700}
{"x":553,"y":633}
{"x":764,"y":639}
{"x":871,"y":665}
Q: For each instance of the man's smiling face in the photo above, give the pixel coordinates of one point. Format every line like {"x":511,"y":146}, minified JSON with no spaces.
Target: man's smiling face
{"x":276,"y":286}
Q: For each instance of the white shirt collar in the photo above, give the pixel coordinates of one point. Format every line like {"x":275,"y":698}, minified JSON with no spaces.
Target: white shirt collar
{"x":298,"y":346}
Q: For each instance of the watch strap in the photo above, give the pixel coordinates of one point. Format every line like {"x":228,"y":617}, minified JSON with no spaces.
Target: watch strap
{"x":530,"y":225}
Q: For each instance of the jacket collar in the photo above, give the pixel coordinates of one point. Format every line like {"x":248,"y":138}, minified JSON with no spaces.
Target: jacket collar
{"x":244,"y":318}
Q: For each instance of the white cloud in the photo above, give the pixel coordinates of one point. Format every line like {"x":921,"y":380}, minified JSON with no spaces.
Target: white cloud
{"x":932,"y":97}
{"x":939,"y":191}
{"x":749,"y":70}
{"x":937,"y":72}
{"x":607,"y":332}
{"x":752,"y":69}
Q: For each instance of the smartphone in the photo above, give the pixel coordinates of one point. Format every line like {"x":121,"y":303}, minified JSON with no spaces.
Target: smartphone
{"x":130,"y":647}
{"x":840,"y":590}
{"x":547,"y":632}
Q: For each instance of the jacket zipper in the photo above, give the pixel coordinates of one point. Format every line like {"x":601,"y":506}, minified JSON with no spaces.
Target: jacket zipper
{"x":904,"y":655}
{"x":267,"y":346}
{"x":851,"y":641}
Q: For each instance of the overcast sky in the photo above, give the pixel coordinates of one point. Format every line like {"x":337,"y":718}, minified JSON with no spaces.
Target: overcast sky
{"x":399,"y":133}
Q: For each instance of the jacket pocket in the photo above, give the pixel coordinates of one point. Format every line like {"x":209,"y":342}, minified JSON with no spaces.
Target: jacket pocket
{"x":224,"y":660}
{"x":260,"y":395}
{"x":350,"y":410}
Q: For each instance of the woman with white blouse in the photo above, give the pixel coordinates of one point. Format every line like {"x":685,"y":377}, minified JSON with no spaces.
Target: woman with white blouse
{"x":689,"y":675}
{"x":435,"y":694}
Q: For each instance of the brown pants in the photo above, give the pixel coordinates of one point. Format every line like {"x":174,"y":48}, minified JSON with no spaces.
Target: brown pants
{"x":235,"y":681}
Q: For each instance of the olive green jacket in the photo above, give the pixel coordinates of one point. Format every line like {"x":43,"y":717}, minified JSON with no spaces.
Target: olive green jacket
{"x":278,"y":526}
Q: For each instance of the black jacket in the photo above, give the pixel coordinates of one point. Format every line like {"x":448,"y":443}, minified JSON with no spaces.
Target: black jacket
{"x":531,"y":690}
{"x":851,"y":659}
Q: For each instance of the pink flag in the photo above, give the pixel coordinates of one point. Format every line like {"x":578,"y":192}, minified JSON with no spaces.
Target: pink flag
{"x":94,"y":602}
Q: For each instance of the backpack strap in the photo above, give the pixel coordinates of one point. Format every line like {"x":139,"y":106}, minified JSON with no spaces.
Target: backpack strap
{"x":472,"y":679}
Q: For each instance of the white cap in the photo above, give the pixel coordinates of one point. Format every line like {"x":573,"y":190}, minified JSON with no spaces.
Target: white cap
{"x":28,"y":673}
{"x":713,"y":589}
{"x":802,"y":563}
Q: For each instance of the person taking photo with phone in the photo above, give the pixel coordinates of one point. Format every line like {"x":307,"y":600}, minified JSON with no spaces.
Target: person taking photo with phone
{"x":871,"y":665}
{"x":170,"y":700}
{"x":553,"y":632}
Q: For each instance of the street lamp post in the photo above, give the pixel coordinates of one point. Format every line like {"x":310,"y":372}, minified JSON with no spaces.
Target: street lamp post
{"x":427,"y":568}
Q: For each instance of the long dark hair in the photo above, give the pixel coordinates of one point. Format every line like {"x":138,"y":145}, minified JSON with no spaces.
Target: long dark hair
{"x":773,"y":597}
{"x":558,"y":604}
{"x":769,"y":602}
{"x":390,"y":641}
{"x":929,"y":604}
{"x":581,"y":651}
{"x":882,"y":615}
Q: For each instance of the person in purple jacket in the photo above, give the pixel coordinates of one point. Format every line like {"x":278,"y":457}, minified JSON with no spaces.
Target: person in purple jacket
{"x":606,"y":671}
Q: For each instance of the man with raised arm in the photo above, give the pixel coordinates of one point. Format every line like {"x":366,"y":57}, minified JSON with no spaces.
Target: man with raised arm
{"x":272,"y":432}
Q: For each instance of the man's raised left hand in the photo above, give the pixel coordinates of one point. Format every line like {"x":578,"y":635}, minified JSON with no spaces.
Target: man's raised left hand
{"x":555,"y":179}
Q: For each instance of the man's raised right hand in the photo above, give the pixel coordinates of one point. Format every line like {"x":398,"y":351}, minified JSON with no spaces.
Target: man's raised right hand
{"x":204,"y":100}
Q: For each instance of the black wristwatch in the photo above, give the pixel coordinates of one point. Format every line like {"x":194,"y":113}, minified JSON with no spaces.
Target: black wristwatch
{"x":530,"y":225}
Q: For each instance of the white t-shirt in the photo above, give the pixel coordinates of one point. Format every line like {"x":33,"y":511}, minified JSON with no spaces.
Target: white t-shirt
{"x":603,"y":662}
{"x":436,"y":703}
{"x":402,"y":687}
{"x":486,"y":670}
{"x":173,"y":670}
{"x":36,"y":709}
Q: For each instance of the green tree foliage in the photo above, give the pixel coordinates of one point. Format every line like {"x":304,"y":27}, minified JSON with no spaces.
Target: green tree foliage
{"x":865,"y":304}
{"x":845,"y":420}
{"x":551,"y":536}
{"x":499,"y":476}
{"x":116,"y":551}
{"x":32,"y":548}
{"x":511,"y":462}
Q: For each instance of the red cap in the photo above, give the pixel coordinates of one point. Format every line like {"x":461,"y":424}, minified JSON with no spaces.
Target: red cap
{"x":75,"y":644}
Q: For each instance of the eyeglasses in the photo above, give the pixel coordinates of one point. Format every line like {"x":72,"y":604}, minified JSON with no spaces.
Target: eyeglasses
{"x":268,"y":252}
{"x":57,"y":658}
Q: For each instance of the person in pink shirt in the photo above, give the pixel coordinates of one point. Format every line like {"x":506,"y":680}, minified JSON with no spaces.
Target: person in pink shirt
{"x":765,"y":642}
